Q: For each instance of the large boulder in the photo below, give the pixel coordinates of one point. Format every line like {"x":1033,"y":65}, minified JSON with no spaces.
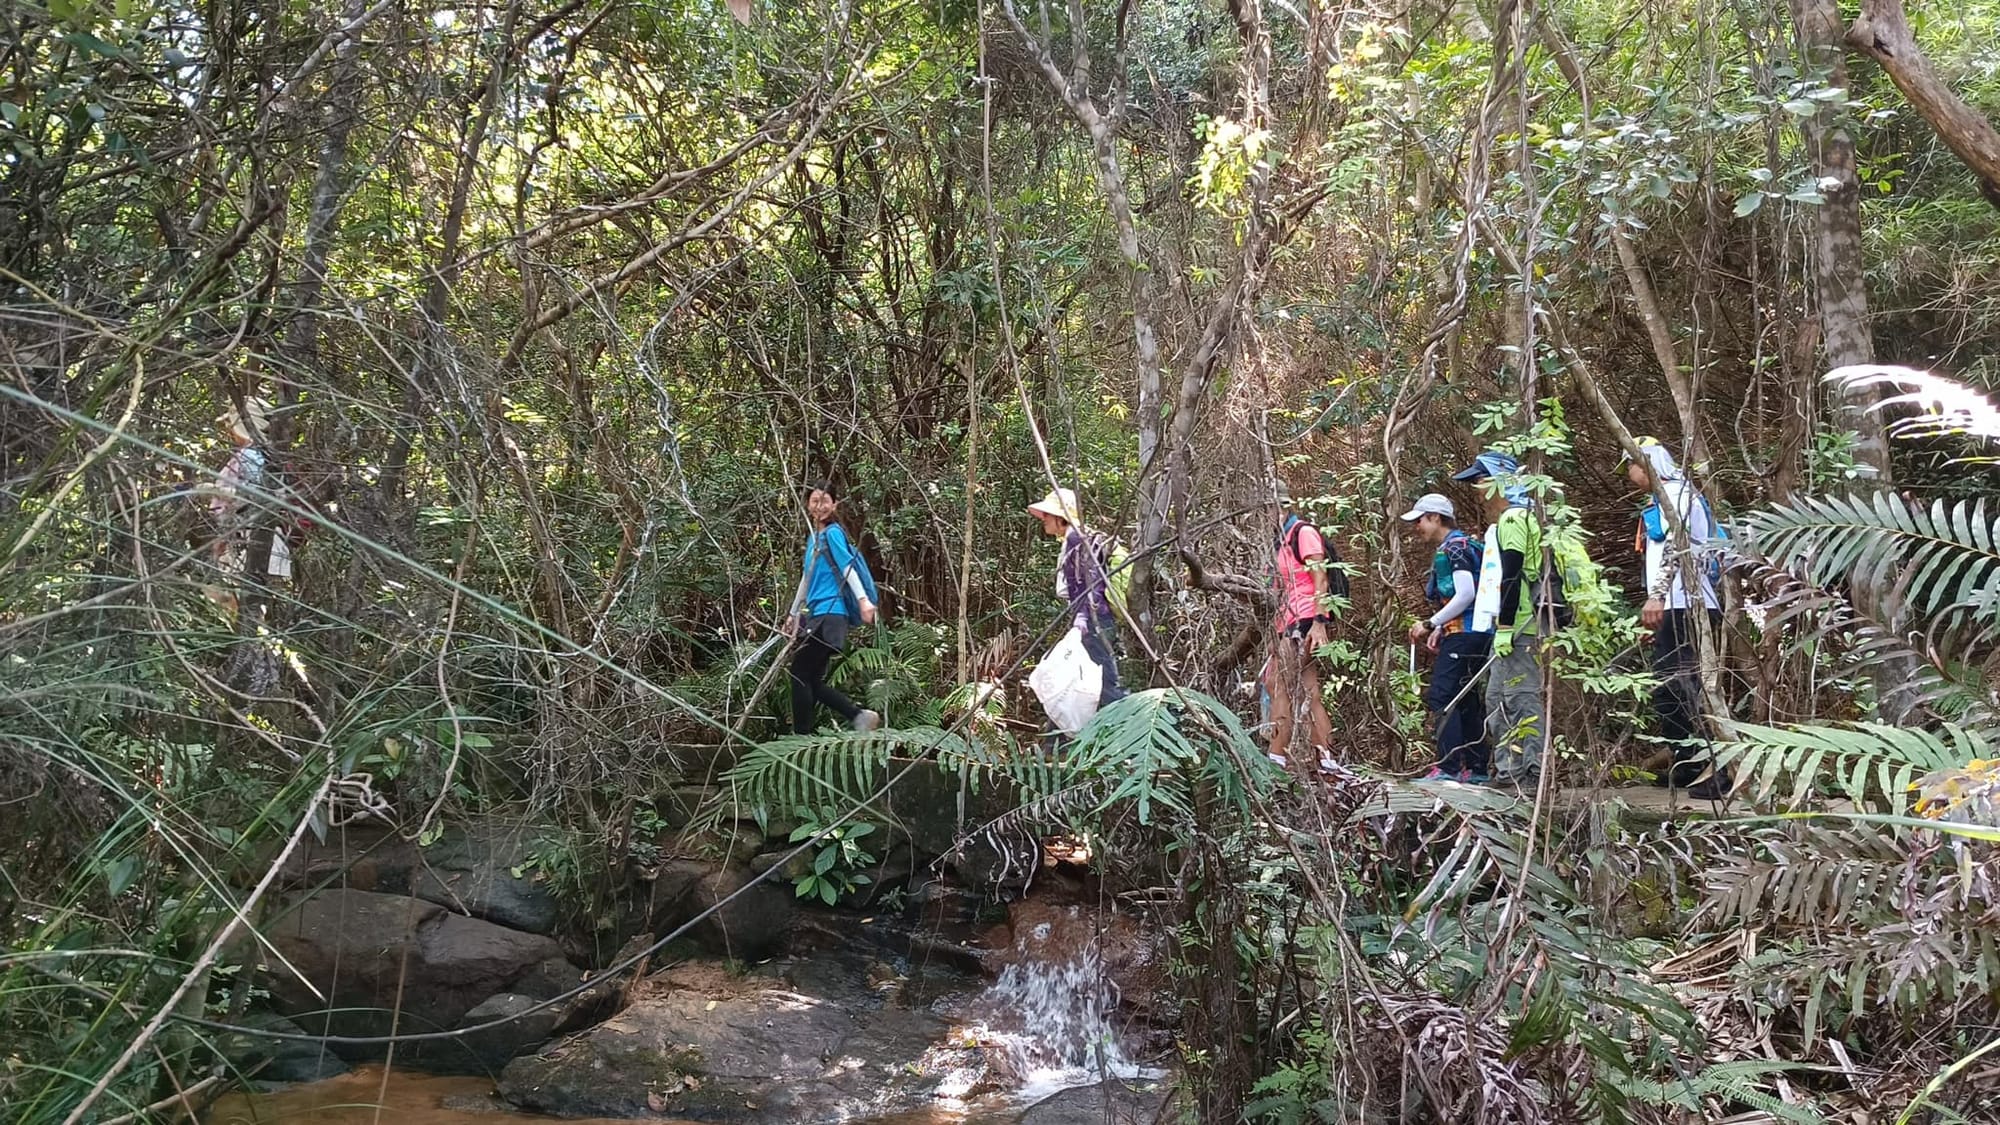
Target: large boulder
{"x":355,"y":963}
{"x":485,"y":871}
{"x":748,"y":922}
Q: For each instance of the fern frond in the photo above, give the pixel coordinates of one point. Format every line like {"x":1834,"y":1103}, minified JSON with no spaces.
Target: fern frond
{"x":1869,"y":764}
{"x":1742,"y":1080}
{"x":838,"y":770}
{"x":1940,"y":558}
{"x":1944,"y":406}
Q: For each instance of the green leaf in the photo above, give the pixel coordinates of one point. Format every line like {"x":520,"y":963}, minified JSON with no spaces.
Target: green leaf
{"x":119,"y":876}
{"x":827,"y":893}
{"x":1747,"y":204}
{"x":823,"y":863}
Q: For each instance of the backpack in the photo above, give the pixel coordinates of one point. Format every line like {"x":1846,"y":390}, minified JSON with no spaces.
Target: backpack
{"x":1115,"y":563}
{"x":1653,"y":525}
{"x":861,"y":571}
{"x":1564,"y":568}
{"x":1336,"y":576}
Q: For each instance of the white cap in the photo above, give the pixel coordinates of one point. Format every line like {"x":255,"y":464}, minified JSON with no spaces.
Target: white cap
{"x":1432,"y":503}
{"x":1061,"y":504}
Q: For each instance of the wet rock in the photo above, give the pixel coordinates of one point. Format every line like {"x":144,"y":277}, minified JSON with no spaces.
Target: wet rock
{"x":470,"y":870}
{"x":357,"y":963}
{"x":748,"y":1052}
{"x":1112,"y":1102}
{"x":527,"y":1027}
{"x":278,"y":1061}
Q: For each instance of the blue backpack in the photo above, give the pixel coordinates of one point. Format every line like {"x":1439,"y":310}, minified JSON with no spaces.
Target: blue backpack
{"x":840,"y":565}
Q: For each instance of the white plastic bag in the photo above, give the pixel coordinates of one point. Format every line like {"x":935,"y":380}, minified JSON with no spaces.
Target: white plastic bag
{"x":1068,"y":681}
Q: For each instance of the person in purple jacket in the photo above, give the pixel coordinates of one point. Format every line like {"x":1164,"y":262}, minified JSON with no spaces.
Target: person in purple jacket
{"x":1080,"y":580}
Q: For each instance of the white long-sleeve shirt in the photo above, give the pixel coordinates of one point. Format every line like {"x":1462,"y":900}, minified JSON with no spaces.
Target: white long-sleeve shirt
{"x":1665,"y":576}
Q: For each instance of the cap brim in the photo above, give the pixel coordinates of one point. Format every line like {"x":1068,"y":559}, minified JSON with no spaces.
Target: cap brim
{"x":1413,"y":515}
{"x":1470,"y":473}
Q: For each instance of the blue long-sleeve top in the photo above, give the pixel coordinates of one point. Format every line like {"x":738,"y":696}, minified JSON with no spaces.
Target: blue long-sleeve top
{"x":829,"y":561}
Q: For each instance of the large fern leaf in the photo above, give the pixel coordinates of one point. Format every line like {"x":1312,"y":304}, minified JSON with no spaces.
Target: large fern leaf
{"x":1143,"y":742}
{"x":1869,"y":764}
{"x":1939,"y":559}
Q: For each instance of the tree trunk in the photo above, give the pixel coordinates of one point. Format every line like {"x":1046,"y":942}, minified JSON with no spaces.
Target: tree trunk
{"x":1883,"y":34}
{"x":1843,"y":303}
{"x":1102,"y":128}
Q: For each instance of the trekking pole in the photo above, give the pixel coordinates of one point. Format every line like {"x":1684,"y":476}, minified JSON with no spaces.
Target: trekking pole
{"x":770,"y":674}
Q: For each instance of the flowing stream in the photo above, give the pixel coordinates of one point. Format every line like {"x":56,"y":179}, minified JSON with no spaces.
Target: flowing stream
{"x":1042,"y":1027}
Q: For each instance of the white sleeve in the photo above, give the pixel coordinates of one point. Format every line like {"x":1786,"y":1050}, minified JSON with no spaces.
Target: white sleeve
{"x":854,"y":584}
{"x":1463,"y":587}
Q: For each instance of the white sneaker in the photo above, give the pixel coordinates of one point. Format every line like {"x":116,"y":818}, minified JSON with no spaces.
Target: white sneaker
{"x":867,"y":721}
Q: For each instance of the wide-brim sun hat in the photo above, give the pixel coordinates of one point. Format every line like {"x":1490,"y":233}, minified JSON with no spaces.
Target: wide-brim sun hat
{"x":255,"y":416}
{"x":1060,"y":503}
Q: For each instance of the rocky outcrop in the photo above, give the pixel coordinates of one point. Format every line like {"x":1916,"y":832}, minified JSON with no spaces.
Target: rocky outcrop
{"x":355,"y":963}
{"x":486,"y":872}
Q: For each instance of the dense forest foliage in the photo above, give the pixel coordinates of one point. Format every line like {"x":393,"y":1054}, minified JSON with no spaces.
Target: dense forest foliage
{"x":546,"y":311}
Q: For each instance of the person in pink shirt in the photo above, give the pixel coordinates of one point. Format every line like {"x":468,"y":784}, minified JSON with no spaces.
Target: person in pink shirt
{"x":1292,"y":675}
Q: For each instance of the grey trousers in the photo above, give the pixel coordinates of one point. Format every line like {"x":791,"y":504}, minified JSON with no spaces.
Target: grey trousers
{"x":1514,"y":719}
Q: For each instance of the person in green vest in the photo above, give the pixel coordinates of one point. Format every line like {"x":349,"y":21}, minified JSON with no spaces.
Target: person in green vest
{"x":1510,"y":567}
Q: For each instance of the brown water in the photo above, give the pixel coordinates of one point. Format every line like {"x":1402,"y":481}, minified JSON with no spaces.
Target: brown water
{"x":359,"y":1098}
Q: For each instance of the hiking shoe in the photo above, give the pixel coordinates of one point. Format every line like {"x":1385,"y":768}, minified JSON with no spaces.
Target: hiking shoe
{"x":1437,"y":774}
{"x":1280,"y":761}
{"x":867,"y":721}
{"x":1471,"y":778}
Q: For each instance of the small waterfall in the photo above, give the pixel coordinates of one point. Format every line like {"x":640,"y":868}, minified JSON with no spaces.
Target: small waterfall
{"x":1048,"y":1022}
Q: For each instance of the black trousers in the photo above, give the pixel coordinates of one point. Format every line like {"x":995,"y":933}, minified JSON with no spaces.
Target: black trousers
{"x":1677,"y":700}
{"x":1458,"y":704}
{"x":822,"y":638}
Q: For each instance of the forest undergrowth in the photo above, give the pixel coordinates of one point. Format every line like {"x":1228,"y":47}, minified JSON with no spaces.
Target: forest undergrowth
{"x":536,"y":316}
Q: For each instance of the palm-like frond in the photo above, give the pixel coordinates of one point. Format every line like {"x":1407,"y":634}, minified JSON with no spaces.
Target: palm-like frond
{"x":1870,"y":764}
{"x":1141,"y":743}
{"x":1810,"y":616}
{"x":1944,"y":406}
{"x":1941,"y":558}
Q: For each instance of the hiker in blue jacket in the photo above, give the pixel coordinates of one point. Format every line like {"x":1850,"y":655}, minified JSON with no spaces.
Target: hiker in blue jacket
{"x":818,"y":619}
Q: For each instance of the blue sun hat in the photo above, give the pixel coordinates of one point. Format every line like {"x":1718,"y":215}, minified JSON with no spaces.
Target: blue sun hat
{"x":1493,"y":463}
